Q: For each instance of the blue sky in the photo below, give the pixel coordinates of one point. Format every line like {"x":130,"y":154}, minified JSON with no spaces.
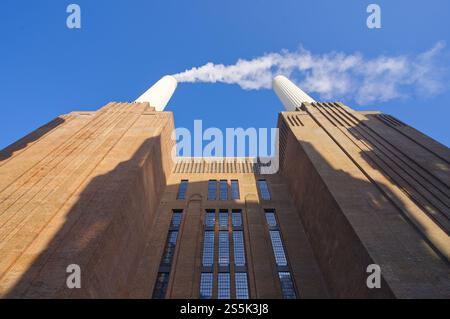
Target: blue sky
{"x":123,"y":47}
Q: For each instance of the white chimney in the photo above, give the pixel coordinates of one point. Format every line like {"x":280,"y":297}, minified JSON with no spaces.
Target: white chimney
{"x":160,"y":93}
{"x":290,"y":95}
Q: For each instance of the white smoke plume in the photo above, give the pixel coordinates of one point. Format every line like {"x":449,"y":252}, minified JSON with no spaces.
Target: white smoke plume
{"x":333,"y":75}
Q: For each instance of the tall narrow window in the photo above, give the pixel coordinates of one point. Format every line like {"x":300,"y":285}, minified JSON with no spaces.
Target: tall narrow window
{"x":278,"y":250}
{"x":223,"y":189}
{"x":211,"y":275}
{"x":162,"y":279}
{"x":237,"y":218}
{"x":286,"y":280}
{"x":287,"y":285}
{"x":169,"y":250}
{"x":270,"y":218}
{"x":208,"y":249}
{"x":264,"y":189}
{"x":224,"y":249}
{"x":206,"y":285}
{"x":207,"y":275}
{"x":241,"y":283}
{"x":223,"y":219}
{"x":182,"y":189}
{"x":239,"y":250}
{"x":212,"y":189}
{"x":176,"y":219}
{"x":224,"y":285}
{"x":235,"y":189}
{"x":240,"y":275}
{"x":210,"y":219}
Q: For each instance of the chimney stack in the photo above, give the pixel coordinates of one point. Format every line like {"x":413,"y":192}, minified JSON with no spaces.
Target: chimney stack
{"x":290,"y":95}
{"x":160,"y":93}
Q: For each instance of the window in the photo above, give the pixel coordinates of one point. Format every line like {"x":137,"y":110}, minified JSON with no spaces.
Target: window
{"x":182,"y":189}
{"x":235,"y":189}
{"x":223,"y":189}
{"x":241,"y":283}
{"x":210,"y":219}
{"x":237,"y":218}
{"x":278,"y":249}
{"x":263,"y":189}
{"x":206,"y":285}
{"x":224,"y":285}
{"x":239,"y":249}
{"x":212,"y":189}
{"x":208,"y":249}
{"x":271,"y":219}
{"x":223,"y":278}
{"x":287,"y":285}
{"x":176,"y":219}
{"x":207,"y":276}
{"x":170,"y":248}
{"x":223,"y":219}
{"x":162,"y":282}
{"x":224,"y":249}
{"x":286,"y":280}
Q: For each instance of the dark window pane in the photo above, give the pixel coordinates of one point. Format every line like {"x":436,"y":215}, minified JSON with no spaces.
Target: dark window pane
{"x":263,"y":189}
{"x":210,"y":219}
{"x":176,"y":219}
{"x":239,"y":249}
{"x":212,"y":189}
{"x":208,"y":248}
{"x":224,"y":249}
{"x":170,"y":248}
{"x":224,"y":286}
{"x":162,"y":281}
{"x":235,"y":189}
{"x":182,"y":189}
{"x":223,"y":190}
{"x":271,"y":219}
{"x":206,"y":285}
{"x":237,"y":219}
{"x":223,"y":219}
{"x":278,"y":249}
{"x":241,"y":283}
{"x":287,"y":285}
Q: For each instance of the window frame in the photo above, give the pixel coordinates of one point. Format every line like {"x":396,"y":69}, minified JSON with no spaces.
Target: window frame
{"x":206,"y":278}
{"x":237,"y":212}
{"x":264,"y":190}
{"x":166,"y":261}
{"x":212,"y":192}
{"x":210,"y":219}
{"x":223,"y":249}
{"x":287,"y":292}
{"x":208,"y":249}
{"x":239,"y":249}
{"x":235,"y":191}
{"x":278,"y":249}
{"x":223,"y":189}
{"x":224,"y":215}
{"x":280,"y":255}
{"x":241,"y":285}
{"x":182,"y":189}
{"x":161,"y":285}
{"x":224,"y":278}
